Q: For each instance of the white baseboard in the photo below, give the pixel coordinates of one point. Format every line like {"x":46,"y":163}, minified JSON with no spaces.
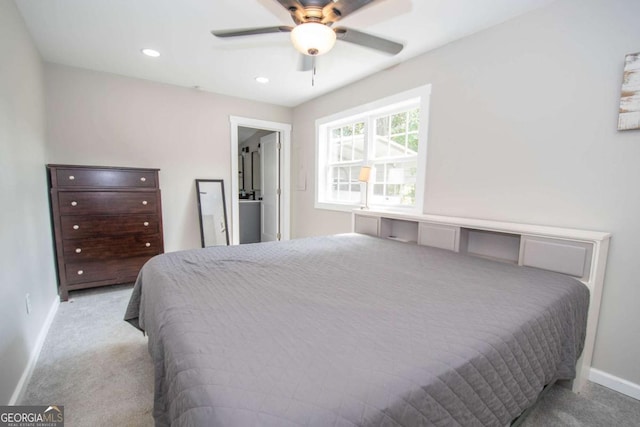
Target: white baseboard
{"x":35,"y":353}
{"x":614,"y":383}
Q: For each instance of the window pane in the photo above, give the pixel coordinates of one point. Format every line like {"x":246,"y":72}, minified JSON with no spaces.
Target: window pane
{"x":335,"y":177}
{"x":380,"y":147}
{"x":343,"y":183}
{"x":347,"y":148}
{"x":399,"y":123}
{"x":397,"y":146}
{"x":382,"y":126}
{"x":334,"y":156}
{"x":355,"y":173}
{"x":413,"y":143}
{"x":393,"y":190}
{"x":358,"y":147}
{"x":378,"y":173}
{"x":345,"y":186}
{"x":332,"y":175}
{"x":395,"y":183}
{"x":347,"y":143}
{"x":343,"y":174}
{"x":414,"y":120}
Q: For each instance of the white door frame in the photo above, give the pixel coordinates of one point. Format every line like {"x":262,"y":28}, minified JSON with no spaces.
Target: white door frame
{"x":285,"y":173}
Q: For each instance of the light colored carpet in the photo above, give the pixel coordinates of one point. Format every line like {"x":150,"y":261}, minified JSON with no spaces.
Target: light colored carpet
{"x":596,"y":406}
{"x":94,"y":363}
{"x":98,"y":367}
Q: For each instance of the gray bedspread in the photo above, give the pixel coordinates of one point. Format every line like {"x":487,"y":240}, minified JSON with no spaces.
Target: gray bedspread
{"x":352,"y":330}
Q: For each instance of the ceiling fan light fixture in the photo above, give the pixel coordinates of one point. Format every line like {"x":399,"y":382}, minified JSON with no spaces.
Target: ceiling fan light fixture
{"x":313,"y":38}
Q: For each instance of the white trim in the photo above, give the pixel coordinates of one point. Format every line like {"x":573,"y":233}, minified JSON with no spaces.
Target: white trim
{"x":398,"y":101}
{"x":377,"y":106}
{"x":285,"y":173}
{"x":615,"y":383}
{"x":18,"y":392}
{"x":347,"y":207}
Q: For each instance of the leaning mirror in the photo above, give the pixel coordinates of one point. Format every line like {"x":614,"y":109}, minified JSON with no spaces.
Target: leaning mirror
{"x":212,"y":212}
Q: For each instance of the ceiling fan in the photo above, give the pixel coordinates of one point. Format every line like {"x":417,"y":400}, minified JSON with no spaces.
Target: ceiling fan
{"x":312,"y":35}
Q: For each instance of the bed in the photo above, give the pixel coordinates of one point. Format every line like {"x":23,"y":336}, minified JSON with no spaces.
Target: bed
{"x":352,"y":330}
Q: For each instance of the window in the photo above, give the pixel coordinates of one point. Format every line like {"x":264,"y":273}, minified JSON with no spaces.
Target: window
{"x":390,"y":136}
{"x":346,"y":155}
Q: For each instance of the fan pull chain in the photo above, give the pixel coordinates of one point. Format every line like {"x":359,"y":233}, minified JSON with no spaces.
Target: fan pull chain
{"x":313,"y":76}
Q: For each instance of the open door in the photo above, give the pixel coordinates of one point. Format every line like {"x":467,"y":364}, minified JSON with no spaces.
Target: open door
{"x":277,"y":215}
{"x":270,"y":206}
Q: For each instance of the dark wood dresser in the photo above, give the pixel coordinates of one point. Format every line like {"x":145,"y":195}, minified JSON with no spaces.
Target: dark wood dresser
{"x":107,"y":222}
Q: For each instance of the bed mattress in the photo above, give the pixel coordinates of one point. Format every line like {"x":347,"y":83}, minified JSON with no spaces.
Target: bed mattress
{"x":352,"y":330}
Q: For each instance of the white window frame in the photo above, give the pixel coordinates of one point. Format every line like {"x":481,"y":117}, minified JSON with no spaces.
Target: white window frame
{"x":418,"y":96}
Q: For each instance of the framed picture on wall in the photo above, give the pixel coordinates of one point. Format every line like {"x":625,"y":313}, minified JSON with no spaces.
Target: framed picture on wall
{"x":629,"y":117}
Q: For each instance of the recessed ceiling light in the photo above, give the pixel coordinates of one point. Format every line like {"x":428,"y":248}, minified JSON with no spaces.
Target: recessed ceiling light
{"x":262,"y":80}
{"x":150,"y":52}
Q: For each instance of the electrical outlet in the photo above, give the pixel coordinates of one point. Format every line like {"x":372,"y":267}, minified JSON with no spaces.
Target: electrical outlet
{"x":27,"y":300}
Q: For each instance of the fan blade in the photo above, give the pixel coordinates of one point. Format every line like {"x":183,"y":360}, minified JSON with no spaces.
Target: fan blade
{"x":334,"y":11}
{"x":368,"y":40}
{"x":251,"y":31}
{"x":295,"y":9}
{"x":306,"y":62}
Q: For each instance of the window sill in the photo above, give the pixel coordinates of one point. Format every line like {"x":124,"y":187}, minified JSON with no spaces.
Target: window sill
{"x":340,"y":207}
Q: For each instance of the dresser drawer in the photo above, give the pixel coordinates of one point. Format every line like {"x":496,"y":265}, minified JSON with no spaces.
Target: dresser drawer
{"x":87,"y":272}
{"x":81,"y":177}
{"x":79,"y":226}
{"x":106,"y":248}
{"x":107,"y":202}
{"x":122,"y":271}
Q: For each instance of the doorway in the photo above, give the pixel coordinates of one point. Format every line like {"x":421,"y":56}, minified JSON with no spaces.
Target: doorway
{"x":260,"y":167}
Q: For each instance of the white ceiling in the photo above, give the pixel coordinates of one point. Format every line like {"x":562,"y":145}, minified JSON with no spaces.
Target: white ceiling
{"x":107,"y":35}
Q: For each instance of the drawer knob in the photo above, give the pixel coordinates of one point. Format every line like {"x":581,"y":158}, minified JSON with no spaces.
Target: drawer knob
{"x":147,"y":244}
{"x":78,"y":250}
{"x":146,"y":224}
{"x":144,"y":202}
{"x":74,"y":203}
{"x":71,"y":177}
{"x":143,"y":179}
{"x":76,"y":226}
{"x":80,"y":272}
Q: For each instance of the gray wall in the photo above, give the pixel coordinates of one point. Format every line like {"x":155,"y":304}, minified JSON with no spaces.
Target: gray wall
{"x":105,"y":119}
{"x":523,"y":128}
{"x":26,"y":254}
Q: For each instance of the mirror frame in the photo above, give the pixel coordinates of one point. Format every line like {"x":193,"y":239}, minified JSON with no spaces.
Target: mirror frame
{"x":255,"y":163}
{"x":224,"y":209}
